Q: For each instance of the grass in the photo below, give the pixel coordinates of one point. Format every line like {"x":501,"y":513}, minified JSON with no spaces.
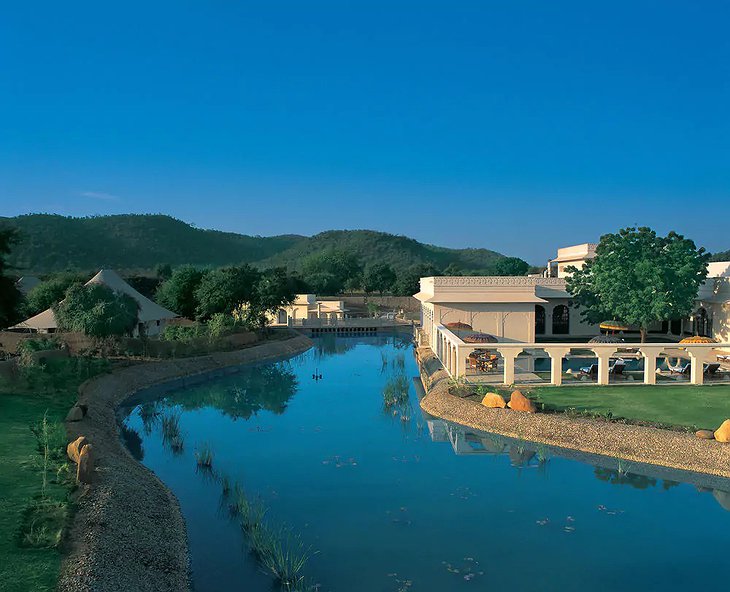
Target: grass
{"x":33,"y":514}
{"x":204,"y":456}
{"x":683,"y":406}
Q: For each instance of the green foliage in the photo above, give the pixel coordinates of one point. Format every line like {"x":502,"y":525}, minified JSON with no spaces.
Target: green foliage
{"x":378,"y":277}
{"x":721,"y":256}
{"x":638,"y":277}
{"x":204,"y":456}
{"x":274,"y":290}
{"x":97,"y":311}
{"x":331,"y":271}
{"x":222,"y":290}
{"x":130,"y":241}
{"x":408,"y":281}
{"x":50,"y":292}
{"x":510,"y":266}
{"x":10,"y":297}
{"x":178,"y":292}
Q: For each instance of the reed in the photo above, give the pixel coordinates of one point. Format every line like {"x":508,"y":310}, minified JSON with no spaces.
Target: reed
{"x":204,"y":456}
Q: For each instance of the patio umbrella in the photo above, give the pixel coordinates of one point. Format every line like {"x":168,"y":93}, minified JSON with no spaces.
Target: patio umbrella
{"x":606,"y":339}
{"x":457,"y":325}
{"x":698,"y":339}
{"x":479,"y":338}
{"x":613,"y":326}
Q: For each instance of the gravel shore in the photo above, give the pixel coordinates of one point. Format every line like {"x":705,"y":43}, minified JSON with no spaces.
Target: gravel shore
{"x":128,"y":532}
{"x":676,"y":450}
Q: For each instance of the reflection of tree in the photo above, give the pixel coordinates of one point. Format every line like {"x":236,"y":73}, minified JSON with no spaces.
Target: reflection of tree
{"x":133,"y":442}
{"x":267,"y":388}
{"x":615,"y":477}
{"x":328,"y":345}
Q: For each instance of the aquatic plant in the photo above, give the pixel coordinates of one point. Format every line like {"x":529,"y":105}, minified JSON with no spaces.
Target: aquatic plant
{"x":542,"y":454}
{"x":204,"y":456}
{"x":170,"y":426}
{"x":284,"y":556}
{"x":623,"y":468}
{"x":395,"y":391}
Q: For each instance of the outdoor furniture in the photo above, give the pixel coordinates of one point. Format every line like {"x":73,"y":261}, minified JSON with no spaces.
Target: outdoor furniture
{"x":590,"y":370}
{"x":618,"y":367}
{"x":711,"y":368}
{"x":679,"y":368}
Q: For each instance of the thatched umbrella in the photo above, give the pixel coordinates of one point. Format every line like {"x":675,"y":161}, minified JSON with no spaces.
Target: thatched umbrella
{"x":605,"y":339}
{"x":698,"y":339}
{"x":458,"y":325}
{"x":479,"y":338}
{"x":613,"y":326}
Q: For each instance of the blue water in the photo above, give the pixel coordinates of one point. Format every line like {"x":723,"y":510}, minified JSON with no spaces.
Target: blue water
{"x":389,"y":504}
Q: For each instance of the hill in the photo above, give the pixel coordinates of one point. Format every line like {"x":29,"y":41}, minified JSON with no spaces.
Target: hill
{"x":54,"y":243}
{"x":140,"y":242}
{"x":399,"y":252}
{"x":721,"y":256}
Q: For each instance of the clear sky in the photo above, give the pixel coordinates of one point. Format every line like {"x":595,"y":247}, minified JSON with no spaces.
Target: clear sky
{"x":515,"y":125}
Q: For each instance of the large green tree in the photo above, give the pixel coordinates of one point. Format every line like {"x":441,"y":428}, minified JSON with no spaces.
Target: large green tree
{"x":97,"y":311}
{"x":511,"y":266}
{"x":332,"y":271}
{"x":178,"y":292}
{"x":408,"y":282}
{"x":10,"y":297}
{"x":222,"y":290}
{"x":274,"y":290}
{"x":378,"y":277}
{"x":50,"y":292}
{"x":638,"y":277}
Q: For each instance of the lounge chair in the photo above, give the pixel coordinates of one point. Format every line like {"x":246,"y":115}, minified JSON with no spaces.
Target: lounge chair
{"x":679,"y":368}
{"x":711,"y":368}
{"x":590,"y":370}
{"x":617,"y":367}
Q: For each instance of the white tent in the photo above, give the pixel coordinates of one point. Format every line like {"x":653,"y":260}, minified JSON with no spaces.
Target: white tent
{"x":151,"y":317}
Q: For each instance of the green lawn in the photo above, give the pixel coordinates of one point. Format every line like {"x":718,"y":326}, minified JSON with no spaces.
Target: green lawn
{"x":701,"y":406}
{"x":23,"y":404}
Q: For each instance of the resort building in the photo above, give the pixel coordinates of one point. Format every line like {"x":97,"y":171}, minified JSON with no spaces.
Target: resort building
{"x":151,"y":317}
{"x":308,"y":307}
{"x":574,"y":256}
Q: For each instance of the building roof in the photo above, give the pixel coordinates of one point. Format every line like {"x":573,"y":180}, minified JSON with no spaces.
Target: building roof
{"x":148,"y":310}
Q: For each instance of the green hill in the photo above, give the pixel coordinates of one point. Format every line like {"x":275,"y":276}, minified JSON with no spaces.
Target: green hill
{"x":140,"y":242}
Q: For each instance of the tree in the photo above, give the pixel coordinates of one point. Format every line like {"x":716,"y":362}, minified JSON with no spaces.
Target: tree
{"x":222,"y":290}
{"x":378,"y":277}
{"x":639,"y":278}
{"x":97,"y":311}
{"x":511,"y":266}
{"x":274,"y":290}
{"x":330,"y":272}
{"x":178,"y":292}
{"x":163,"y":271}
{"x":409,"y":282}
{"x":10,"y":296}
{"x":50,"y":292}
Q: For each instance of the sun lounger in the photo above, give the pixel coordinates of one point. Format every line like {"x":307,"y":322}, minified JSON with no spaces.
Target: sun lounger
{"x":711,"y":368}
{"x":589,"y":370}
{"x":679,"y":368}
{"x":618,"y":367}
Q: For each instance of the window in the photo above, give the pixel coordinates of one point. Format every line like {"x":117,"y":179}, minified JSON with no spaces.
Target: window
{"x":539,"y":320}
{"x":281,"y":317}
{"x":676,"y":326}
{"x":702,"y":323}
{"x":561,"y":320}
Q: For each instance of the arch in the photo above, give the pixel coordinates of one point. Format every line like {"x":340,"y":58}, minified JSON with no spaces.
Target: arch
{"x":281,"y":317}
{"x":701,"y":322}
{"x":561,"y":320}
{"x":539,"y":319}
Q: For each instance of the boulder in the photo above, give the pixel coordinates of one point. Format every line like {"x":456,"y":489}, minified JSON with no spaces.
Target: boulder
{"x":494,"y":401}
{"x":73,"y":450}
{"x":76,"y":413}
{"x":722,"y":434}
{"x":85,"y":469}
{"x":705,"y":434}
{"x":519,"y":402}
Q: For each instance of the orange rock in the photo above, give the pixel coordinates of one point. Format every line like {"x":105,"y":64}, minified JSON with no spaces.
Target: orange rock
{"x":705,"y":434}
{"x":85,"y":470}
{"x":494,"y":401}
{"x":73,"y":450}
{"x":519,"y":402}
{"x":722,"y":434}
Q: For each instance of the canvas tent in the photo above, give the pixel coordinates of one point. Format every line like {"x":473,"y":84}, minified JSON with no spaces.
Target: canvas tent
{"x":151,"y":317}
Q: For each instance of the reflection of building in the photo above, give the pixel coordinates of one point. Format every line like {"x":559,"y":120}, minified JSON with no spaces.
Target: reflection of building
{"x":306,"y":306}
{"x":151,"y":317}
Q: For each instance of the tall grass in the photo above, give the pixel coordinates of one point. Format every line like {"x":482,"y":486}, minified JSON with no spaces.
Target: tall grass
{"x":395,"y":391}
{"x":285,"y":556}
{"x":204,"y":456}
{"x":171,"y":433}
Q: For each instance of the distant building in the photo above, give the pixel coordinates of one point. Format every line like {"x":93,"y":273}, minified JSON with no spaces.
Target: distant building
{"x":306,"y":306}
{"x":151,"y":317}
{"x":574,"y":256}
{"x":26,"y":284}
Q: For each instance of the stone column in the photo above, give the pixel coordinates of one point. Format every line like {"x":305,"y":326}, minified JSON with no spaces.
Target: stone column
{"x":508,"y":356}
{"x":650,"y":355}
{"x":698,"y":357}
{"x":604,"y":356}
{"x":556,"y":363}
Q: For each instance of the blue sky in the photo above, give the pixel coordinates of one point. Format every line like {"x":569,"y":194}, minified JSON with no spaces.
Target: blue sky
{"x":515,"y":125}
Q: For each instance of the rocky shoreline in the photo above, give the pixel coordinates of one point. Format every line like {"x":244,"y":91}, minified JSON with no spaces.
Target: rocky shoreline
{"x":128,"y":532}
{"x":675,"y":450}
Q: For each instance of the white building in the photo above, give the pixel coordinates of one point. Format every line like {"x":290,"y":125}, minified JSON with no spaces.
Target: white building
{"x":151,"y":317}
